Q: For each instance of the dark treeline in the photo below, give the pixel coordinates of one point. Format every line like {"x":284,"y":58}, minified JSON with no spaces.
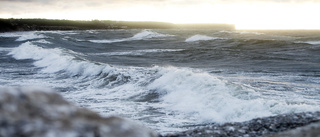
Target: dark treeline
{"x":55,"y":24}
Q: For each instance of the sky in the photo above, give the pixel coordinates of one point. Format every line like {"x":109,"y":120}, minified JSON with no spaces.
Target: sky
{"x":245,"y":14}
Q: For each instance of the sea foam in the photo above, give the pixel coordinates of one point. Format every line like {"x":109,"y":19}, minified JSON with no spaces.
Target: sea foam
{"x":23,"y":36}
{"x":29,"y":36}
{"x":200,"y":38}
{"x":43,"y":41}
{"x":183,"y":96}
{"x":205,"y":98}
{"x":138,"y":52}
{"x":54,"y":60}
{"x":313,"y":42}
{"x":143,"y":35}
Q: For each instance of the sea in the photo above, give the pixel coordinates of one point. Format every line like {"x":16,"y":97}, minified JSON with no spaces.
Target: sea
{"x":170,"y":80}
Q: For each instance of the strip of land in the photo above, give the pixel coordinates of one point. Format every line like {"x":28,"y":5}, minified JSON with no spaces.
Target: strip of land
{"x":55,"y":24}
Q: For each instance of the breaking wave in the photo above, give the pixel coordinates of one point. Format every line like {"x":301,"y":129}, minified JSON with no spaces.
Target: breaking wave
{"x":246,"y":32}
{"x":143,"y":35}
{"x":29,"y":36}
{"x":313,"y":42}
{"x":205,"y":98}
{"x":200,"y":38}
{"x":181,"y":94}
{"x":54,"y":60}
{"x":23,"y":36}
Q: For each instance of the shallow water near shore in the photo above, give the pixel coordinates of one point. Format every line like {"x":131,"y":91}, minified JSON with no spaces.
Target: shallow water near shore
{"x":170,"y":80}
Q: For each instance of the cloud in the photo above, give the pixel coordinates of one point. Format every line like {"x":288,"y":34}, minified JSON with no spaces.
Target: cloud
{"x":25,"y":1}
{"x":32,"y":8}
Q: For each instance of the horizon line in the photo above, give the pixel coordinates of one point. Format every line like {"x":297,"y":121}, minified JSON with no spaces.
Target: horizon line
{"x":187,"y":23}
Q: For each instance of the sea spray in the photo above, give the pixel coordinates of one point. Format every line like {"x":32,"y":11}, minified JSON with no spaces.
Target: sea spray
{"x":165,"y":82}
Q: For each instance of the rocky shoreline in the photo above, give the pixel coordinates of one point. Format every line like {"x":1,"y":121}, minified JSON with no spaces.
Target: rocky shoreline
{"x":256,"y":127}
{"x":34,"y":113}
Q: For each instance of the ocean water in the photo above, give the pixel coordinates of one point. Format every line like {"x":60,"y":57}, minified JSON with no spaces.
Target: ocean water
{"x":170,"y":80}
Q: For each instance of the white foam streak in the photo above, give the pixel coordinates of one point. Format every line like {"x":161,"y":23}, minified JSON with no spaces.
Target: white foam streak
{"x":62,"y":32}
{"x":226,"y":31}
{"x":108,"y":41}
{"x":199,"y":38}
{"x":10,"y":34}
{"x":5,"y":49}
{"x":143,"y":35}
{"x":246,"y":32}
{"x":23,"y":36}
{"x":139,"y":52}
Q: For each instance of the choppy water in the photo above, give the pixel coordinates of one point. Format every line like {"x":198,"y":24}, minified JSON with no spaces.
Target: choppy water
{"x":170,"y":80}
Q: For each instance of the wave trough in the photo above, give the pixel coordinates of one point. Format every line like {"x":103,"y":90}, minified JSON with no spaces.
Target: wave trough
{"x":167,"y":97}
{"x":185,"y":96}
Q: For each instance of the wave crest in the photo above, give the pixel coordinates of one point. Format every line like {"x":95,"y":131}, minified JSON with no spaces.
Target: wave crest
{"x":200,"y":38}
{"x":54,"y":60}
{"x":23,"y":36}
{"x":143,"y":35}
{"x":205,"y":98}
{"x":183,"y":96}
{"x":315,"y":42}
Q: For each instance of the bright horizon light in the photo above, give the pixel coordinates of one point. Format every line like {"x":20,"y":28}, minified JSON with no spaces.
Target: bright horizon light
{"x":245,"y":14}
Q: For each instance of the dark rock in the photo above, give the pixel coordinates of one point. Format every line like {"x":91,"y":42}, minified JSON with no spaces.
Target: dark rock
{"x":32,"y":113}
{"x":311,"y":130}
{"x":259,"y":127}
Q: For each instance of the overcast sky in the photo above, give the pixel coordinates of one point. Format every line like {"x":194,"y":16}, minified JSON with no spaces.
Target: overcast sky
{"x":250,"y":14}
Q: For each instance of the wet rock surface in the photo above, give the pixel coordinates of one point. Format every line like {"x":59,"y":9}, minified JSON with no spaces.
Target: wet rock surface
{"x":311,"y":130}
{"x":32,"y":113}
{"x":269,"y":126}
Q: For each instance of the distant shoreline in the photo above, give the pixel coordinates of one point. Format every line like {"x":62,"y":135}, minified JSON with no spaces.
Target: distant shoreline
{"x":7,"y":25}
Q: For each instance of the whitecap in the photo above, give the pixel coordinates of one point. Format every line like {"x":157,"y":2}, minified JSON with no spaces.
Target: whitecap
{"x":315,"y":42}
{"x":61,"y":32}
{"x":246,"y":32}
{"x":226,"y":31}
{"x":147,"y":34}
{"x":143,"y":35}
{"x":200,"y":38}
{"x":29,"y":36}
{"x":55,"y":60}
{"x":43,"y":41}
{"x":92,"y":31}
{"x":311,"y":42}
{"x":23,"y":36}
{"x":10,"y":34}
{"x":5,"y":49}
{"x":139,"y":52}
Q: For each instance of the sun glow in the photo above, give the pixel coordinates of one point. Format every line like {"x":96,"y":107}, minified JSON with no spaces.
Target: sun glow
{"x":244,"y":14}
{"x":277,"y":16}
